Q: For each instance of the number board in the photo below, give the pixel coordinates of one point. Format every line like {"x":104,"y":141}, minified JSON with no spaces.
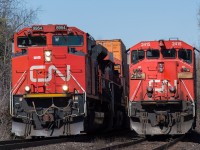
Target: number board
{"x":61,"y":27}
{"x":37,"y":28}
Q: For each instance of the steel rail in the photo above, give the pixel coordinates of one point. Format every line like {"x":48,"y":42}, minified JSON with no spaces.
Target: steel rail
{"x":26,"y":143}
{"x":123,"y":145}
{"x":19,"y":144}
{"x":169,"y":144}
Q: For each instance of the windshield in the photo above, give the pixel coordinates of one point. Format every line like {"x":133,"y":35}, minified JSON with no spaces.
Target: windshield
{"x":137,"y":55}
{"x":185,"y":54}
{"x":151,"y":53}
{"x":67,"y":40}
{"x":168,"y":53}
{"x":31,"y":41}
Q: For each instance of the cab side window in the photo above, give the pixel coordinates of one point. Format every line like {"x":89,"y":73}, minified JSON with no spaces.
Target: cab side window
{"x":185,"y":55}
{"x":137,"y":55}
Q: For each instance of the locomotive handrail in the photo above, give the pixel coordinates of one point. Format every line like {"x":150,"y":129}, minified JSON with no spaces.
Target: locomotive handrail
{"x":18,"y":82}
{"x":13,"y":91}
{"x":187,"y":91}
{"x":110,"y":81}
{"x":190,"y":97}
{"x":196,"y":49}
{"x":85,"y":110}
{"x":135,"y":92}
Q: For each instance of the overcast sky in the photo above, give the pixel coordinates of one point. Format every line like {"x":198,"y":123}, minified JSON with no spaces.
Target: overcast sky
{"x":130,"y":20}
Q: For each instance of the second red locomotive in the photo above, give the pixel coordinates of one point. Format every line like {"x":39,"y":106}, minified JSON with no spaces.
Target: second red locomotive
{"x":162,"y":93}
{"x":63,"y":83}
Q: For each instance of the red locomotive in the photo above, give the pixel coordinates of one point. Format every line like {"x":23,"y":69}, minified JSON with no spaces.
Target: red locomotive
{"x":63,"y":83}
{"x":162,"y":92}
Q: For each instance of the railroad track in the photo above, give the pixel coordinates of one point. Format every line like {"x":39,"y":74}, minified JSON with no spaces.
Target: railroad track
{"x":167,"y":145}
{"x":18,"y":144}
{"x":26,"y":143}
{"x":123,"y":145}
{"x":137,"y":144}
{"x":134,"y":143}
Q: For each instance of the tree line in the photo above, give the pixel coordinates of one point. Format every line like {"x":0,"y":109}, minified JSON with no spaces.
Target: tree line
{"x":14,"y":15}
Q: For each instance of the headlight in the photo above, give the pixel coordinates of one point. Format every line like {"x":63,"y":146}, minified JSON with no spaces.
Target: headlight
{"x":149,"y":89}
{"x":47,"y":56}
{"x":161,"y":67}
{"x":172,"y":89}
{"x":65,"y":88}
{"x":48,"y":53}
{"x":27,"y":88}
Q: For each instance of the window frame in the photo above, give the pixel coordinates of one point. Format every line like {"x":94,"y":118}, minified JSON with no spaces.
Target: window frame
{"x":153,"y":57}
{"x":191,"y":56}
{"x":137,"y":56}
{"x":170,"y":57}
{"x":68,"y":36}
{"x":32,"y":44}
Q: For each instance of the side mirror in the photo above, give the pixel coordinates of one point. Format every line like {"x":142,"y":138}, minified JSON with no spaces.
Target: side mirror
{"x":128,"y":57}
{"x":12,"y":47}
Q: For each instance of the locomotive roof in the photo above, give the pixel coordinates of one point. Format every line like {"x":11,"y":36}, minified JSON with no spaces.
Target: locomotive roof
{"x":169,"y":44}
{"x":50,"y":28}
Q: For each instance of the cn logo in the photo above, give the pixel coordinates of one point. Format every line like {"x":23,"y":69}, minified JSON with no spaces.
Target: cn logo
{"x":164,"y":82}
{"x":51,"y":69}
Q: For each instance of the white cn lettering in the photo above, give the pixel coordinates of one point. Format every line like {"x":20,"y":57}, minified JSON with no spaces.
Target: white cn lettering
{"x":164,"y":82}
{"x":49,"y":76}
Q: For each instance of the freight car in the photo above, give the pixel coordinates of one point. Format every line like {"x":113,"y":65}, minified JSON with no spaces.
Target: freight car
{"x":162,"y":87}
{"x":63,"y":83}
{"x":118,"y":49}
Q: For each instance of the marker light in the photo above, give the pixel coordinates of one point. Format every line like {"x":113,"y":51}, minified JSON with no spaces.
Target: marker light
{"x":149,"y":91}
{"x":65,"y":88}
{"x":27,"y":88}
{"x":184,"y":69}
{"x":47,"y":56}
{"x":161,"y":67}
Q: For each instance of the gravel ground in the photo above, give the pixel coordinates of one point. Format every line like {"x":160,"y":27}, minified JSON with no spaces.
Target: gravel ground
{"x":64,"y":146}
{"x":191,"y":142}
{"x":90,"y":145}
{"x":145,"y":145}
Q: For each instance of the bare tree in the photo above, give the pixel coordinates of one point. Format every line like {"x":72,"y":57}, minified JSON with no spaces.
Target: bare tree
{"x":197,"y":78}
{"x":14,"y":15}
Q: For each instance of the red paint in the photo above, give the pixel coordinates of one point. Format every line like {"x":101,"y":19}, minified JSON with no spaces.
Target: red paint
{"x":61,"y":58}
{"x":156,"y":79}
